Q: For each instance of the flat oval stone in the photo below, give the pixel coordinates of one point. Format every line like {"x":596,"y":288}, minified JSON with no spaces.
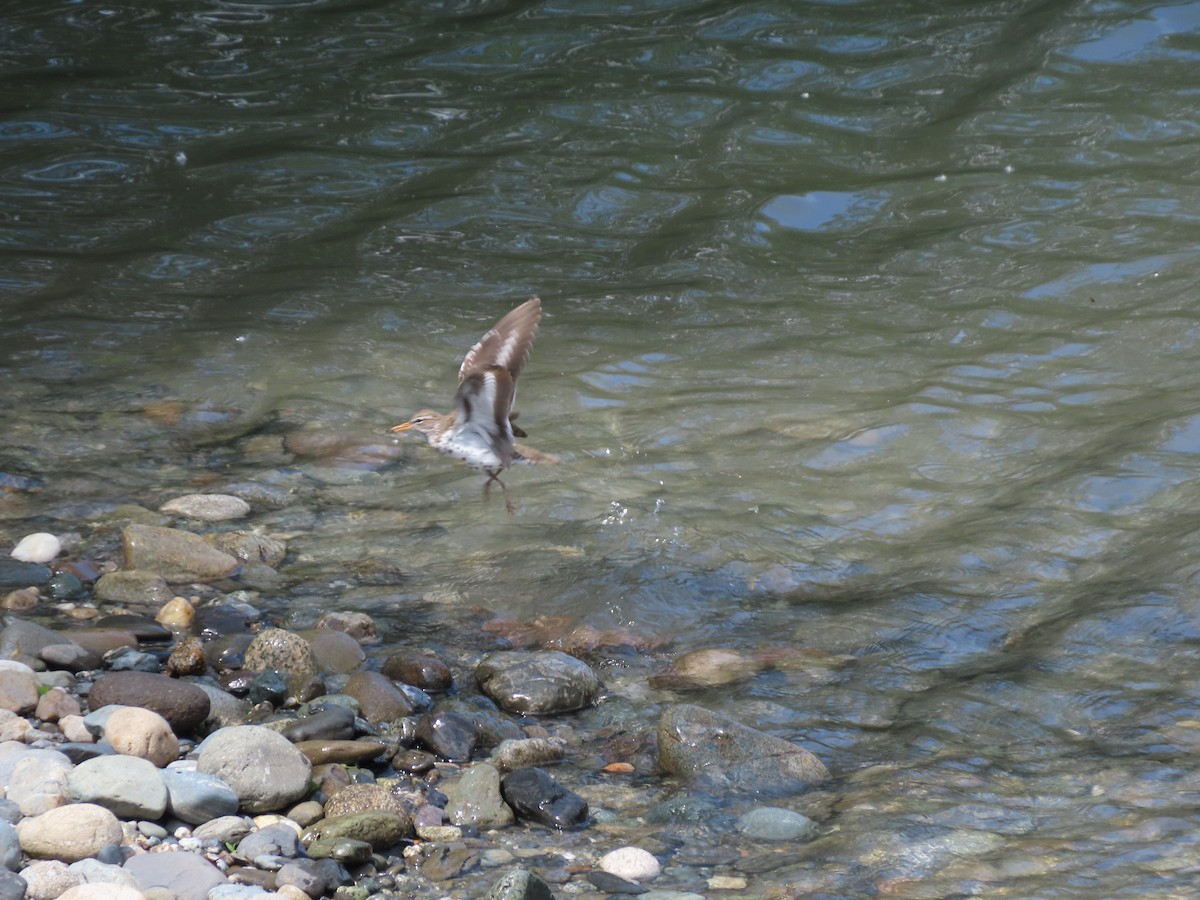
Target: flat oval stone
{"x":341,"y":751}
{"x":39,"y":547}
{"x":207,"y":507}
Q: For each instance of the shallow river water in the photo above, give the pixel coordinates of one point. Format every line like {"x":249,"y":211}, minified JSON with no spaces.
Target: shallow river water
{"x":870,"y":335}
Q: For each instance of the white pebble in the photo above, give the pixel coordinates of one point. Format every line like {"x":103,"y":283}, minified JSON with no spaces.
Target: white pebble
{"x":39,"y":547}
{"x":630,"y":863}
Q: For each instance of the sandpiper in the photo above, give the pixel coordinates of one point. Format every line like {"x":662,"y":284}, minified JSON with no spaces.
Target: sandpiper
{"x":479,"y":429}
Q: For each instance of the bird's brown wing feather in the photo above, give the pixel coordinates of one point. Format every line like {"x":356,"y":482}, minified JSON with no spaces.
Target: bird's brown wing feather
{"x":507,"y":343}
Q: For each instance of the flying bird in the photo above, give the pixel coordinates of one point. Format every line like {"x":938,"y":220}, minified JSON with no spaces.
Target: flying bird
{"x":479,"y":430}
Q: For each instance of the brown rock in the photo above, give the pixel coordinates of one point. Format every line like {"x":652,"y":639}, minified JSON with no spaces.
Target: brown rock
{"x":133,"y":731}
{"x":335,"y":651}
{"x":358,"y":625}
{"x":420,"y":668}
{"x":18,"y":691}
{"x":101,"y":640}
{"x":20,"y":600}
{"x":56,"y":703}
{"x":183,"y":705}
{"x":378,"y":698}
{"x":187,"y":658}
{"x":351,"y":752}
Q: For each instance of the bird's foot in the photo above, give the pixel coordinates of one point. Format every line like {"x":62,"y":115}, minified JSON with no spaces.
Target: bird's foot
{"x":487,"y":492}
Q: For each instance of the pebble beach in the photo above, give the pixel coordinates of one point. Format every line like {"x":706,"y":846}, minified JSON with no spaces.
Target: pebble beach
{"x":162,"y":736}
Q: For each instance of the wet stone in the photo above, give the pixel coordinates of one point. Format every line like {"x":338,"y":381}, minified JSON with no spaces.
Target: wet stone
{"x":187,"y":658}
{"x":142,"y":628}
{"x":696,"y":743}
{"x":132,"y":586}
{"x":65,"y":586}
{"x":770,"y":823}
{"x":537,"y":683}
{"x":414,"y":761}
{"x":631,"y":864}
{"x":349,"y":752}
{"x":335,"y":651}
{"x":475,"y":799}
{"x":515,"y":753}
{"x":126,"y":659}
{"x":39,"y":547}
{"x":360,"y":798}
{"x":17,"y":574}
{"x":614,"y":884}
{"x":358,"y":625}
{"x":268,"y":687}
{"x":449,"y":734}
{"x":282,"y":651}
{"x":441,"y":862}
{"x":379,"y":699}
{"x":176,"y":555}
{"x":249,"y":546}
{"x":333,"y":722}
{"x":535,"y":796}
{"x":349,"y":851}
{"x":419,"y":668}
{"x":520,"y":884}
{"x":377,"y":828}
{"x":20,"y":600}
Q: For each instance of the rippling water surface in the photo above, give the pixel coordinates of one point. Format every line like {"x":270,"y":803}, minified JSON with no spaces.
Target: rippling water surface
{"x":870,"y":330}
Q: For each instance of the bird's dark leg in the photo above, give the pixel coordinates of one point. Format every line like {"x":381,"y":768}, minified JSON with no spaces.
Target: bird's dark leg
{"x":487,"y":489}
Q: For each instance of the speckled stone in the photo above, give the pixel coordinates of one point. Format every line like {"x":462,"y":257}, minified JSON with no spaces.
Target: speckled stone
{"x":284,"y":652}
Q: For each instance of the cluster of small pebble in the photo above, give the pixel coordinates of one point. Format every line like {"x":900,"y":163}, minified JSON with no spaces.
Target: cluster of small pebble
{"x":139,"y":760}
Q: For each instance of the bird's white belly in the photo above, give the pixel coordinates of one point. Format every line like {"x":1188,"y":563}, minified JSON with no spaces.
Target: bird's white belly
{"x":473,"y":449}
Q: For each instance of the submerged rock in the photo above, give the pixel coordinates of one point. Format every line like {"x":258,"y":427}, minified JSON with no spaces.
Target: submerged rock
{"x":535,"y":795}
{"x":695,"y":742}
{"x":542,"y":682}
{"x":176,"y":555}
{"x":207,"y":507}
{"x":475,"y":799}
